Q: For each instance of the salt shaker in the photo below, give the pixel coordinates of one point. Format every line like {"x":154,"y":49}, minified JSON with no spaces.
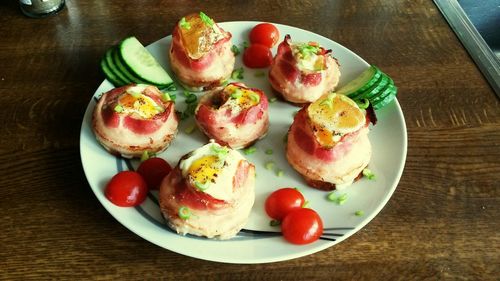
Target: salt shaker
{"x":41,"y":8}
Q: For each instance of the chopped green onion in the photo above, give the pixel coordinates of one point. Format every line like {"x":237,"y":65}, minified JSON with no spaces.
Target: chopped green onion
{"x":249,"y":150}
{"x":235,"y":50}
{"x":172,"y":87}
{"x":173,"y":96}
{"x":187,"y":93}
{"x":118,"y":108}
{"x":201,"y":186}
{"x":206,"y":19}
{"x":190,"y":129}
{"x":280,"y":173}
{"x":191,"y":98}
{"x":184,"y":213}
{"x":259,"y":74}
{"x":331,"y":196}
{"x":219,"y":150}
{"x":307,"y":50}
{"x":237,"y":94}
{"x":165,"y":97}
{"x":274,"y":223}
{"x":363,"y":103}
{"x":368,"y":174}
{"x":359,"y":213}
{"x":224,"y":83}
{"x":159,"y":108}
{"x":245,"y":44}
{"x":340,"y":200}
{"x":306,"y":204}
{"x":237,"y":74}
{"x":135,"y":94}
{"x":273,"y":99}
{"x":269,"y":165}
{"x":269,"y":151}
{"x":255,"y":97}
{"x":184,"y":24}
{"x":145,"y":156}
{"x":328,"y":102}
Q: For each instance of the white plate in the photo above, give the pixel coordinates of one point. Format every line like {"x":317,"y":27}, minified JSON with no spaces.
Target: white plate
{"x":259,"y":242}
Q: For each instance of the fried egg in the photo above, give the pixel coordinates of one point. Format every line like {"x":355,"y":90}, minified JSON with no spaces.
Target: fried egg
{"x":199,"y":34}
{"x":333,"y":116}
{"x":239,"y":98}
{"x":133,"y":102}
{"x":211,"y":169}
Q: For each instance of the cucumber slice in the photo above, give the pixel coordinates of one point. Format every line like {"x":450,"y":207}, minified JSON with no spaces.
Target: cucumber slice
{"x":141,"y":63}
{"x":123,"y":69}
{"x":110,"y":75}
{"x":374,"y":90}
{"x":385,"y":97}
{"x":364,"y":81}
{"x":114,"y":68}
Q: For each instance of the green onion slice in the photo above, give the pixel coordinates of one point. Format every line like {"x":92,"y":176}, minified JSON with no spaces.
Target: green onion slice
{"x":184,"y":24}
{"x":368,"y":174}
{"x":201,"y":186}
{"x":237,"y":94}
{"x":235,"y":50}
{"x":280,"y":173}
{"x":118,"y":108}
{"x":363,"y":103}
{"x":166,"y":97}
{"x":269,"y":165}
{"x":269,"y":151}
{"x":249,"y":150}
{"x":255,"y":97}
{"x":191,"y":98}
{"x":359,"y":213}
{"x":184,"y":213}
{"x":206,"y":19}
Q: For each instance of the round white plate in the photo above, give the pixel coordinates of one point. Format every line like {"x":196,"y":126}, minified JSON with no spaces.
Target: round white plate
{"x":258,"y":242}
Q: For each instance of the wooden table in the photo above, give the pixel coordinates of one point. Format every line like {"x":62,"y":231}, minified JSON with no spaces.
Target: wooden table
{"x":441,"y":223}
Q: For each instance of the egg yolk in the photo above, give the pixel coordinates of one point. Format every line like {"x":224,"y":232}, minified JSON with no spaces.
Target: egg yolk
{"x":198,"y":37}
{"x":242,"y":97}
{"x":140,"y":104}
{"x":205,"y":169}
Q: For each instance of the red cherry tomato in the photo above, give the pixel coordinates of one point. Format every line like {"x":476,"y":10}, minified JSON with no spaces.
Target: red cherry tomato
{"x":265,"y":34}
{"x":283,"y":201}
{"x":302,"y":226}
{"x":257,"y":56}
{"x":153,"y":170}
{"x":126,"y":189}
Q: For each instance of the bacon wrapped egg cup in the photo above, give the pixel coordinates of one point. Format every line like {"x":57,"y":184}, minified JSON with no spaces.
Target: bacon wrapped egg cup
{"x":209,"y":193}
{"x":328,"y":142}
{"x":200,"y":53}
{"x":303,"y":72}
{"x":235,"y":116}
{"x":132,"y":119}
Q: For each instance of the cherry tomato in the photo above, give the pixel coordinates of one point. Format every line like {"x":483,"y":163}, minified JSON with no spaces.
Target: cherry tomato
{"x":283,"y":201}
{"x":153,"y":170}
{"x":265,"y":34}
{"x":257,"y":56}
{"x":126,"y":189}
{"x":302,"y":226}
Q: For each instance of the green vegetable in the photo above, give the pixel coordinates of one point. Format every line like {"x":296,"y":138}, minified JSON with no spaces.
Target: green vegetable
{"x":219,"y":150}
{"x":190,"y":129}
{"x":235,"y":50}
{"x":118,"y":108}
{"x":184,"y":213}
{"x":274,"y":223}
{"x":368,"y":174}
{"x":191,"y":98}
{"x":269,"y":165}
{"x":280,"y":173}
{"x":145,"y":156}
{"x":307,"y":50}
{"x":184,"y":24}
{"x":273,"y":99}
{"x":202,"y":186}
{"x":306,"y":204}
{"x":237,"y":74}
{"x":165,"y":97}
{"x":363,"y":103}
{"x":359,"y":213}
{"x":237,"y":94}
{"x":269,"y":151}
{"x":249,"y":150}
{"x":173,"y":96}
{"x":206,"y":19}
{"x":340,"y":200}
{"x":255,"y":97}
{"x":259,"y":74}
{"x":245,"y":44}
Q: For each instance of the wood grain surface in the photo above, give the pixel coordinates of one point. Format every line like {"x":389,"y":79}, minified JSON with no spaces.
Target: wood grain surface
{"x":442,"y":222}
